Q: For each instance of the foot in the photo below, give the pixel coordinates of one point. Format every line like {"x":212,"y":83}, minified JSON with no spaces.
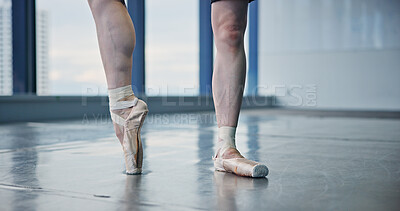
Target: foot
{"x":124,"y":113}
{"x":127,"y":124}
{"x":232,"y":161}
{"x":230,"y":153}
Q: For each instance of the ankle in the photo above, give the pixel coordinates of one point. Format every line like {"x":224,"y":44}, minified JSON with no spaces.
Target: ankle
{"x":226,"y":137}
{"x":128,"y":98}
{"x":230,"y":153}
{"x":121,"y":98}
{"x":226,"y":143}
{"x":124,"y":112}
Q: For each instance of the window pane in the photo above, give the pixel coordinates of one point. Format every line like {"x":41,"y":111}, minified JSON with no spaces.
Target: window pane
{"x":5,"y":48}
{"x":172,"y":47}
{"x":331,"y":54}
{"x":314,"y":25}
{"x":68,"y":58}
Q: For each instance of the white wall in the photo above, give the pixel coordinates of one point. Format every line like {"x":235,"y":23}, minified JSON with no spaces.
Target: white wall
{"x":337,"y":54}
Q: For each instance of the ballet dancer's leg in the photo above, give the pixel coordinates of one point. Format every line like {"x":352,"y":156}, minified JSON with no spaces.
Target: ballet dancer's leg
{"x":116,"y":36}
{"x":229,"y":19}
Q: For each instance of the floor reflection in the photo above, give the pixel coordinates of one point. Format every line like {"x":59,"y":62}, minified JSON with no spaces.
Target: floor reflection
{"x":205,"y":144}
{"x":253,"y":140}
{"x":24,"y":162}
{"x":229,"y":185}
{"x":132,"y":196}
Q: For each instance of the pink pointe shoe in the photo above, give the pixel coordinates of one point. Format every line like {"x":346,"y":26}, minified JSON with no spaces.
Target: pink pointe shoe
{"x":131,"y":143}
{"x":239,"y":166}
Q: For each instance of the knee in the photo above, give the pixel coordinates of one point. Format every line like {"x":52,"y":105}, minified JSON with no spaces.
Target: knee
{"x":93,"y":3}
{"x":97,"y":5}
{"x":229,"y":36}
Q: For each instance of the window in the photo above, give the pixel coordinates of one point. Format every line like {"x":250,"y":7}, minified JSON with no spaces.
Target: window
{"x":68,"y":57}
{"x":5,"y":48}
{"x":172,"y":47}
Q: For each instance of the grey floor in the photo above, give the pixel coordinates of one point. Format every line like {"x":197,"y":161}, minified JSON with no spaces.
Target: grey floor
{"x":316,"y":163}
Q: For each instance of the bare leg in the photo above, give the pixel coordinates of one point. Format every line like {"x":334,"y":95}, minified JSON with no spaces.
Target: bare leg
{"x":116,"y":36}
{"x":229,"y":20}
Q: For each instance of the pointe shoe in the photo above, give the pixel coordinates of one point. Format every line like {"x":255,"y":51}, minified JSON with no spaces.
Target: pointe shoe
{"x":131,"y":143}
{"x":239,"y":165}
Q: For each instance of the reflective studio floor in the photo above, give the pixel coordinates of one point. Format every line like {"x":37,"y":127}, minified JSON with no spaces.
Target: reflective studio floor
{"x":316,"y":163}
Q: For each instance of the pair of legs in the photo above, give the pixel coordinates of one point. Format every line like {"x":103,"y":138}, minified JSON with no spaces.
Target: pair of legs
{"x":116,"y":36}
